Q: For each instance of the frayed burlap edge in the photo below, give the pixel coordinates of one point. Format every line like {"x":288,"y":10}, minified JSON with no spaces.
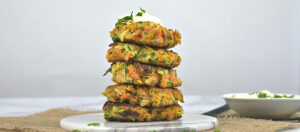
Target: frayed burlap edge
{"x":48,"y":121}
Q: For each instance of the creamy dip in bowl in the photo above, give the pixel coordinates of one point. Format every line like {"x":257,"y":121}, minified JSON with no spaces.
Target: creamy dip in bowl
{"x":263,"y":104}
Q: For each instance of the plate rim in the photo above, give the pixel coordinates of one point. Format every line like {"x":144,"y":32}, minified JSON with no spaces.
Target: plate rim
{"x":213,"y":123}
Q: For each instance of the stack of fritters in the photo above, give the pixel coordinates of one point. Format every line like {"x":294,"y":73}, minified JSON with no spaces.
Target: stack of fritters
{"x":141,"y":67}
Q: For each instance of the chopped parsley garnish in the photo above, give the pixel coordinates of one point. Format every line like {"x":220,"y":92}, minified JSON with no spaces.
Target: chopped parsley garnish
{"x":76,"y":130}
{"x":94,"y":124}
{"x":262,"y":95}
{"x":265,"y":95}
{"x":292,"y":96}
{"x":130,"y":17}
{"x":277,"y":96}
{"x":286,"y":96}
{"x":217,"y":131}
{"x":125,"y":19}
{"x":141,"y":12}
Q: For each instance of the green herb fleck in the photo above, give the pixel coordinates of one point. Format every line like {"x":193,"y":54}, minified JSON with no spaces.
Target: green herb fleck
{"x":94,"y":124}
{"x":178,"y":58}
{"x":125,"y":19}
{"x":153,"y":54}
{"x":262,"y":95}
{"x":286,"y":96}
{"x":161,"y":71}
{"x":233,"y":96}
{"x":154,"y":37}
{"x":158,"y":111}
{"x":144,"y":55}
{"x":115,"y":38}
{"x":170,"y":84}
{"x":277,"y":96}
{"x":171,"y":37}
{"x":76,"y":130}
{"x":292,"y":96}
{"x":141,"y":12}
{"x":193,"y":130}
{"x":126,"y":69}
{"x":217,"y":131}
{"x":153,"y":60}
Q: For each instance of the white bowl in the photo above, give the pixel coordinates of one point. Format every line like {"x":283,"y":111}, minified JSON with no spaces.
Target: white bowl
{"x":263,"y":107}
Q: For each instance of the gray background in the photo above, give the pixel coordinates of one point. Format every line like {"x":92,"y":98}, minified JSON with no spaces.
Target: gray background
{"x":58,"y":47}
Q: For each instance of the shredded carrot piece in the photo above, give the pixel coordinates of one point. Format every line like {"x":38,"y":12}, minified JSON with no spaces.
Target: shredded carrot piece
{"x":159,"y":35}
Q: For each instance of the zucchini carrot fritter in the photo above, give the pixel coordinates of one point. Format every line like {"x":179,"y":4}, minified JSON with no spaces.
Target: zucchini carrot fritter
{"x":146,"y":33}
{"x":130,"y":52}
{"x":127,"y":112}
{"x":143,"y":96}
{"x":141,"y":74}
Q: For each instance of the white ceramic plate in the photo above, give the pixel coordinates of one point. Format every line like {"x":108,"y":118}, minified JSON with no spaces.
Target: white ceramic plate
{"x":263,"y":107}
{"x":188,"y":122}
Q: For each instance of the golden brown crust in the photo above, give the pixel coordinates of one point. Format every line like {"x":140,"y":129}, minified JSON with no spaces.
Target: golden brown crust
{"x":143,"y":95}
{"x":146,"y":33}
{"x":126,"y":112}
{"x":125,"y":52}
{"x":144,"y":75}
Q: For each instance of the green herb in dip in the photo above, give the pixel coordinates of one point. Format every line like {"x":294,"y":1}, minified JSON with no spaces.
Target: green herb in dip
{"x":263,"y":94}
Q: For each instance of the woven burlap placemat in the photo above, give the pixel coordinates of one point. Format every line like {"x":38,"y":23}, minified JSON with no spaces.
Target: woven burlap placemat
{"x":232,"y":113}
{"x":48,"y":121}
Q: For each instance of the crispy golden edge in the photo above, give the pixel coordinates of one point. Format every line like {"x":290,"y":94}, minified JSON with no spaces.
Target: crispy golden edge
{"x":136,"y":115}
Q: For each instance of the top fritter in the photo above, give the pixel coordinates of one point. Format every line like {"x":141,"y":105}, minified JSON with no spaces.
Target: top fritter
{"x":139,"y":29}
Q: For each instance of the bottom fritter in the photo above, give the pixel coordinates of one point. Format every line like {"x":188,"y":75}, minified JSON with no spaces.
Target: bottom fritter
{"x":126,"y":112}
